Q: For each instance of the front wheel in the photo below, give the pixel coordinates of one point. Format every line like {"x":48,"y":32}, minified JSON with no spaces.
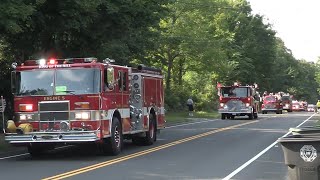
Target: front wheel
{"x":113,"y":144}
{"x":37,"y":149}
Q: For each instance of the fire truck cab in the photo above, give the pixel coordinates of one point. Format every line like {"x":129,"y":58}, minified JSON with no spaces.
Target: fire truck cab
{"x":237,"y":100}
{"x":272,"y":103}
{"x":81,"y":100}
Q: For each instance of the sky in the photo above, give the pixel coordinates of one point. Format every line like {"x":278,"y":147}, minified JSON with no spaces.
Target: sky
{"x":296,"y":23}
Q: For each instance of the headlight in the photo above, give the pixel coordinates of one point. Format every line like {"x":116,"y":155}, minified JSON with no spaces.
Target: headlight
{"x":82,"y":115}
{"x":25,"y":107}
{"x":247,"y":104}
{"x":24,"y":117}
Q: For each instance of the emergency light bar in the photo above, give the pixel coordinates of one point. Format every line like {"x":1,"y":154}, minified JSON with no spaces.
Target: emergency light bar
{"x":53,"y":61}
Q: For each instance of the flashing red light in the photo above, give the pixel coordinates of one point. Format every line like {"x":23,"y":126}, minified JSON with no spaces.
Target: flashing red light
{"x":52,"y":61}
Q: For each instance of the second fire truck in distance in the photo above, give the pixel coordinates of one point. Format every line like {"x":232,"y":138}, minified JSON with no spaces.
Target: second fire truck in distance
{"x":287,"y":102}
{"x":271,"y":103}
{"x":81,"y":100}
{"x":238,"y":100}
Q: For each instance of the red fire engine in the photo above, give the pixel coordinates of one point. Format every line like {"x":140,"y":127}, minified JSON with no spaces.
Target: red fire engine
{"x":237,"y":100}
{"x":78,"y":100}
{"x":287,"y":102}
{"x":272,"y":103}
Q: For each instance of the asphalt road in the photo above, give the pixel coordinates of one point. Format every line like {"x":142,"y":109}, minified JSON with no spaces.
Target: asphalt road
{"x":205,"y":149}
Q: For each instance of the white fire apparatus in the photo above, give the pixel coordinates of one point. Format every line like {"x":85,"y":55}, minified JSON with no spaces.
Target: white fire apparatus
{"x":79,"y":100}
{"x":238,"y":100}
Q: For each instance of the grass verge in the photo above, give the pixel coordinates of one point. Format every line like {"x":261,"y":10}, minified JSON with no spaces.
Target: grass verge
{"x":181,"y":117}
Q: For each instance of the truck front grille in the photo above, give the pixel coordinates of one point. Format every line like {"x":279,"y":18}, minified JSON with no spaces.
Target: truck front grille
{"x":234,"y":105}
{"x":51,"y":113}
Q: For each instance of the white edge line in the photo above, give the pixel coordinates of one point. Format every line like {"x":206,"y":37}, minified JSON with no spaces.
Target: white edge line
{"x":24,"y":154}
{"x":8,"y":157}
{"x":259,"y":154}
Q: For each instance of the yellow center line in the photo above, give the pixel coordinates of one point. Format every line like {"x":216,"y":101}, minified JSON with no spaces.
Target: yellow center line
{"x":144,"y":152}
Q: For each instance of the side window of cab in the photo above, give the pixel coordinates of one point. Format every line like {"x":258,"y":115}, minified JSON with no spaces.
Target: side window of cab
{"x":122,"y":81}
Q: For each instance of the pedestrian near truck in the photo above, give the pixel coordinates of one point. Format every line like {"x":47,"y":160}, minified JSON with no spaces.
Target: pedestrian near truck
{"x":190,"y":106}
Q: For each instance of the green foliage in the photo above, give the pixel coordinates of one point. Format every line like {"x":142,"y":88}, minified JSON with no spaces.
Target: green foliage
{"x":196,"y":43}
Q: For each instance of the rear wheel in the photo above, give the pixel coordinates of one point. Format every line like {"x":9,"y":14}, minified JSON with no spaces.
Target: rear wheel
{"x":223,"y":116}
{"x":150,"y":136}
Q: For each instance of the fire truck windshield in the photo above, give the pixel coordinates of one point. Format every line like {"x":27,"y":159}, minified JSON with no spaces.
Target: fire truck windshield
{"x":235,"y":91}
{"x":270,"y":98}
{"x":58,"y":82}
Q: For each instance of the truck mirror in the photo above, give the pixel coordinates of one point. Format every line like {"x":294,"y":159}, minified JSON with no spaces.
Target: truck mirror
{"x":109,"y":79}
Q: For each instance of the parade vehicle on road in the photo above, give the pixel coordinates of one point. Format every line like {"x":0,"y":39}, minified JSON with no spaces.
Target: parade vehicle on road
{"x":271,"y":103}
{"x":81,"y":100}
{"x":296,"y":106}
{"x":238,"y":100}
{"x":287,"y":102}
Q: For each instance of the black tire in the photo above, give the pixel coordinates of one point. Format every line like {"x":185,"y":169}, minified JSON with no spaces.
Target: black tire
{"x":113,"y":145}
{"x":223,"y":116}
{"x":250,"y":116}
{"x":150,"y":135}
{"x":232,"y":116}
{"x":255,"y":115}
{"x":36,"y":150}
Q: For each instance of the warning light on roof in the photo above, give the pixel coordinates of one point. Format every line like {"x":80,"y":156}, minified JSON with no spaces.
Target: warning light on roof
{"x":52,"y":61}
{"x":42,"y":62}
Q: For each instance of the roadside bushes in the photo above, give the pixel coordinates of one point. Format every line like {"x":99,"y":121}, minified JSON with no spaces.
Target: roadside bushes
{"x":204,"y":100}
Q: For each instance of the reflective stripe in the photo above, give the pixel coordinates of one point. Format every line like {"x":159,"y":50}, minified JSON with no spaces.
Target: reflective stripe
{"x":125,"y":113}
{"x":162,"y":110}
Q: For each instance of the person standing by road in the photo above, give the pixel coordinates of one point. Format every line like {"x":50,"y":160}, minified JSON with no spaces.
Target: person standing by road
{"x":318,"y":106}
{"x":190,"y":106}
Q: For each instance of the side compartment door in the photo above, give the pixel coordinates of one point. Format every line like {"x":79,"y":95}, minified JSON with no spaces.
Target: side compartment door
{"x":122,"y":91}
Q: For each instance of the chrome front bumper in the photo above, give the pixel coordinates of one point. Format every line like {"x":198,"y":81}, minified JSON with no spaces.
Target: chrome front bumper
{"x":270,"y":109}
{"x":53,"y":137}
{"x":241,"y":111}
